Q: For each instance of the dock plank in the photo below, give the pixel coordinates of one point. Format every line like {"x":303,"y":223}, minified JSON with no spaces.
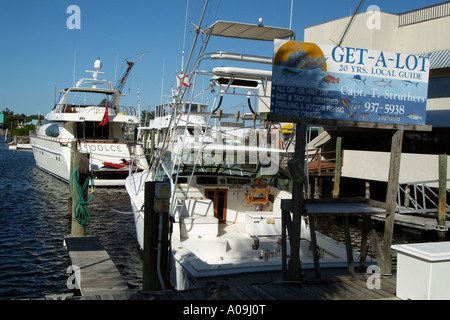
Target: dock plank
{"x":98,"y":274}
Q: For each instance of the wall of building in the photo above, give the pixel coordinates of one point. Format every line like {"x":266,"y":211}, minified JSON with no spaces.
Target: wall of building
{"x":419,"y":31}
{"x":426,"y":36}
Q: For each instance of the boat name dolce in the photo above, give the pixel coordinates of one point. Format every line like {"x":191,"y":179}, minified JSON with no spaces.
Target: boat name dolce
{"x":105,"y":147}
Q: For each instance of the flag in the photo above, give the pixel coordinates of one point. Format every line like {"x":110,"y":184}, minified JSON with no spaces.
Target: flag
{"x":105,"y":117}
{"x":184,"y":82}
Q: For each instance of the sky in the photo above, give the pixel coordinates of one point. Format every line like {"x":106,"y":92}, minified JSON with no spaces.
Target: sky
{"x":39,"y":52}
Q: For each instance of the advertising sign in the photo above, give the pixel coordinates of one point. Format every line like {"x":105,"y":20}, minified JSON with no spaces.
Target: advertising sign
{"x":344,"y":83}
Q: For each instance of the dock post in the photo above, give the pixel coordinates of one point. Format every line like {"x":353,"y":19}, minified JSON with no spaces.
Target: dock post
{"x":391,"y":196}
{"x":442,"y":194}
{"x":294,"y":265}
{"x":79,"y":160}
{"x":338,"y":168}
{"x":73,"y":149}
{"x":156,"y":236}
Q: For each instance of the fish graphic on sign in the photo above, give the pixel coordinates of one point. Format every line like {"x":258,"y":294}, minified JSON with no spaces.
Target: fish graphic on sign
{"x":410,"y":83}
{"x":357,"y":78}
{"x":330,"y":79}
{"x":382,"y":83}
{"x":414,"y":116}
{"x":301,"y":55}
{"x":289,"y":73}
{"x":345,"y":102}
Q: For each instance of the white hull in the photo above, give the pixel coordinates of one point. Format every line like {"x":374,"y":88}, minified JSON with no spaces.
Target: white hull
{"x":206,"y":252}
{"x":53,"y":157}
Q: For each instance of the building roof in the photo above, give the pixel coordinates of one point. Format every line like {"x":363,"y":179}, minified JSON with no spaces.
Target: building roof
{"x":438,"y":59}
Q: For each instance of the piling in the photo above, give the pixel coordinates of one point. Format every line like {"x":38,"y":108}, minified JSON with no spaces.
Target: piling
{"x":442,"y":195}
{"x":391,"y":195}
{"x":79,"y":171}
{"x":156,"y":237}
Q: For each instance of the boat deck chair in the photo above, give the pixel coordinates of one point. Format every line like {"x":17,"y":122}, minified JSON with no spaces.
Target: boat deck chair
{"x":259,"y":193}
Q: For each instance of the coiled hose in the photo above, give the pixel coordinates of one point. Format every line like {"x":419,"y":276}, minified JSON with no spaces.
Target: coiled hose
{"x":81,"y":213}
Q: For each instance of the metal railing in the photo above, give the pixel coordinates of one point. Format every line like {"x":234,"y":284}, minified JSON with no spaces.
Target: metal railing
{"x":33,"y":134}
{"x":95,"y":109}
{"x":419,"y":197}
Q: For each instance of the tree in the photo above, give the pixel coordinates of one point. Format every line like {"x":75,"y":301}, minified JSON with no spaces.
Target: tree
{"x":146,"y":116}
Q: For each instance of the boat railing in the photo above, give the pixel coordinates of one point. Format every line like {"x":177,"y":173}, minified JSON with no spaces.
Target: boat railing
{"x":45,"y":137}
{"x":237,"y":57}
{"x":94,"y":109}
{"x":320,"y":163}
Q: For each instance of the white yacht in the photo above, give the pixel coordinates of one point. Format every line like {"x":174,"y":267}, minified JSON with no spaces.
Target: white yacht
{"x":225,"y":212}
{"x":89,"y":114}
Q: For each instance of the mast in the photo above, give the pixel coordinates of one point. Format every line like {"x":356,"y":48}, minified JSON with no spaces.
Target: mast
{"x":121,"y":83}
{"x":350,"y":22}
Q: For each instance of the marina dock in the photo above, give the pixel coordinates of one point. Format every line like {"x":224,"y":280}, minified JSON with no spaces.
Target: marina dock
{"x":97,"y":273}
{"x":100,"y":280}
{"x":337,"y":288}
{"x":413,"y":221}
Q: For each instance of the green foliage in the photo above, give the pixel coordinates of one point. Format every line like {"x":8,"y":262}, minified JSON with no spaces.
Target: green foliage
{"x":24,"y":131}
{"x":15,"y":123}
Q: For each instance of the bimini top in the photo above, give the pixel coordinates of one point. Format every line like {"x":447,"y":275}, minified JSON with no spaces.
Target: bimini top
{"x":248,"y":31}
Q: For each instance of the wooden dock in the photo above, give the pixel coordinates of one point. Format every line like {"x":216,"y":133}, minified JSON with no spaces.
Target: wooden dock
{"x":413,"y":221}
{"x":97,"y":273}
{"x":336,"y":288}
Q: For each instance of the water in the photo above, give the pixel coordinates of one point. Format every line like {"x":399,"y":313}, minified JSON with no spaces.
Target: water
{"x":35,"y":220}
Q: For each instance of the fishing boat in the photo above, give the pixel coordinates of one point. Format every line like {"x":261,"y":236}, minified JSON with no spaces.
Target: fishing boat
{"x":88,"y":118}
{"x":225,"y":206}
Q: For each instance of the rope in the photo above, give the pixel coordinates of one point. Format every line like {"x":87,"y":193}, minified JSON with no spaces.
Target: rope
{"x":82,"y":215}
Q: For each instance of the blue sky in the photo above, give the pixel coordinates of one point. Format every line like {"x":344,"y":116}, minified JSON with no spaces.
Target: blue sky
{"x":37,"y":50}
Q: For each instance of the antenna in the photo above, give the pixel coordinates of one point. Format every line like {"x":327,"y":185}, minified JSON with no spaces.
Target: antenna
{"x":184,"y":37}
{"x":290,"y":20}
{"x":162,"y":79}
{"x":74,"y":62}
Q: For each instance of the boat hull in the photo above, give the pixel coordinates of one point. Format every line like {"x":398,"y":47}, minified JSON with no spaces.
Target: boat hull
{"x":53,"y":157}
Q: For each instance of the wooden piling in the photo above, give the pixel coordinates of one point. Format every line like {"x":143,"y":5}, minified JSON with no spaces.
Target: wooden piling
{"x":338,"y":168}
{"x":391,"y":197}
{"x":79,"y":161}
{"x":442,"y":195}
{"x":155,"y":264}
{"x":294,"y":264}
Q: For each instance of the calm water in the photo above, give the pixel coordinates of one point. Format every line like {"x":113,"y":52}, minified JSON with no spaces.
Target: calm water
{"x":35,"y":219}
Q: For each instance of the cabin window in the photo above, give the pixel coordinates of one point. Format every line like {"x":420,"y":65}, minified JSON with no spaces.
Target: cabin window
{"x":52,"y":131}
{"x":91,"y":130}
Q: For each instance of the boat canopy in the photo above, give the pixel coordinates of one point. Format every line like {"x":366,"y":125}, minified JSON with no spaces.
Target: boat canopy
{"x":248,"y":31}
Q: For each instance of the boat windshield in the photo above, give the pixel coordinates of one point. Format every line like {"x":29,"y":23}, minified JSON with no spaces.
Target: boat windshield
{"x":83,"y":98}
{"x":223,"y":169}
